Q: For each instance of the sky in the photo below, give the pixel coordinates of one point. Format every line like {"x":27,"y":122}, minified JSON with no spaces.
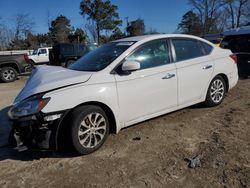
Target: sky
{"x":159,"y":15}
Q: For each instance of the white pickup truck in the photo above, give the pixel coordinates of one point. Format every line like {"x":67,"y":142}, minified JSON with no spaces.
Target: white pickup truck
{"x":40,"y":56}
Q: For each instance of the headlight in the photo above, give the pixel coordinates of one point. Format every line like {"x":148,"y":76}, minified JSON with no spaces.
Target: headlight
{"x":28,"y":107}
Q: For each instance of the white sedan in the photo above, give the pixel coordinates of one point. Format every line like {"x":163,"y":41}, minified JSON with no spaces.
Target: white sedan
{"x":117,"y":85}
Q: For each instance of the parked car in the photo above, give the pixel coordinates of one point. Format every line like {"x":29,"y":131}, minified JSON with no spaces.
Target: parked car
{"x":214,"y":38}
{"x":64,"y":54}
{"x":238,"y":41}
{"x":117,"y":85}
{"x":11,"y":66}
{"x":40,"y":56}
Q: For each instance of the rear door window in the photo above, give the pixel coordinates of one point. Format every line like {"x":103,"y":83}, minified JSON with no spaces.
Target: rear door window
{"x":206,"y":47}
{"x":187,"y":49}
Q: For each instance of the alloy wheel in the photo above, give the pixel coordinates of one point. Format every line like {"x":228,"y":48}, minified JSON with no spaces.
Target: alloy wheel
{"x":8,"y":74}
{"x":92,"y":130}
{"x":217,"y":91}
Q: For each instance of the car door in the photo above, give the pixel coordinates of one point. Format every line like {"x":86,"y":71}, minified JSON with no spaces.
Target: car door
{"x":194,"y":68}
{"x":42,"y":56}
{"x":150,"y":90}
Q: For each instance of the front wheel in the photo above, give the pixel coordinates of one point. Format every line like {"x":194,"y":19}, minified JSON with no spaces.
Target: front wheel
{"x":90,"y":128}
{"x":216,"y":92}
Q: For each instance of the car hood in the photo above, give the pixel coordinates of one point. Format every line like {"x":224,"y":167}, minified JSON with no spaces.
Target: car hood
{"x":46,"y":78}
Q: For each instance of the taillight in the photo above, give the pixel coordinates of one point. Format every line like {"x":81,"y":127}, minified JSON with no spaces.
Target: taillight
{"x":234,"y":57}
{"x":26,"y":58}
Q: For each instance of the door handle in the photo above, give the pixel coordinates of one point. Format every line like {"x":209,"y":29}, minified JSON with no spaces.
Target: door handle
{"x":168,"y":76}
{"x":207,"y":67}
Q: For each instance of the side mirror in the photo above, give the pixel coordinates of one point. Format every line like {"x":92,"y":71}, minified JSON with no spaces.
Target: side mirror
{"x":131,"y":65}
{"x":38,"y":53}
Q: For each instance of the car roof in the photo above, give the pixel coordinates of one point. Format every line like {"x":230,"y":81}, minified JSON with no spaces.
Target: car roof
{"x":156,"y":36}
{"x":238,"y":31}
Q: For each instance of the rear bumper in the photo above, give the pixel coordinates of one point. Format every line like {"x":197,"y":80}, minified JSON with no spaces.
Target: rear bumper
{"x":26,"y":68}
{"x":37,"y":132}
{"x":233,"y":78}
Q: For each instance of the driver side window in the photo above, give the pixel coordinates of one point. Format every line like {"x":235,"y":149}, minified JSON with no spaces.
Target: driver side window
{"x":42,"y":51}
{"x":152,"y":54}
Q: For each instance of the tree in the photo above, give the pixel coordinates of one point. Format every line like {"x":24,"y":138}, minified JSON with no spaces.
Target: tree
{"x":117,"y":34}
{"x":77,"y":36}
{"x":91,"y":29}
{"x":207,"y":10}
{"x":236,"y":9}
{"x":102,"y":13}
{"x":43,"y":40}
{"x":31,"y":41}
{"x":60,"y":29}
{"x":190,"y":24}
{"x":6,"y":36}
{"x":136,"y":27}
{"x":23,"y":26}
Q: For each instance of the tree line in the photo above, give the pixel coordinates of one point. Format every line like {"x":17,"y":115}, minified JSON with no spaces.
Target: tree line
{"x":214,"y":16}
{"x":104,"y":24}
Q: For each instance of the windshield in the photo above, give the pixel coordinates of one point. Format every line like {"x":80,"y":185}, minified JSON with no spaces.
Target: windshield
{"x":34,"y":52}
{"x":101,"y":57}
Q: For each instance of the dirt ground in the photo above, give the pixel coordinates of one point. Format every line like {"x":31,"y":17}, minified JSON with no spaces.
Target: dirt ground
{"x":150,"y":154}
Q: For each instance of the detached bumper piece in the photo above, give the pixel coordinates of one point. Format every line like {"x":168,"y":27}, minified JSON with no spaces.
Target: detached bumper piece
{"x":36,"y":132}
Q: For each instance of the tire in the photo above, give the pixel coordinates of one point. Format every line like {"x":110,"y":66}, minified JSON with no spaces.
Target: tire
{"x":89,"y":130}
{"x":216,"y":92}
{"x":12,"y":140}
{"x":70,"y":62}
{"x":244,"y":76}
{"x":8,"y":74}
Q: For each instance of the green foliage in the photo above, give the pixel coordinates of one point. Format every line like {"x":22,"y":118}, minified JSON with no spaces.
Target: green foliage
{"x":31,"y":41}
{"x":77,"y":36}
{"x":117,"y":34}
{"x":43,"y":39}
{"x":136,"y":27}
{"x":103,"y":13}
{"x":60,"y":29}
{"x":18,"y":44}
{"x":190,"y":24}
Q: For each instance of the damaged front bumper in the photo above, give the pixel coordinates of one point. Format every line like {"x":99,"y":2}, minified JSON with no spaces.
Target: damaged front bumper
{"x":39,"y":131}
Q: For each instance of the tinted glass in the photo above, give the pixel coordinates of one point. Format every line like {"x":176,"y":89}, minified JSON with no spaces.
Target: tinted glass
{"x":34,"y":52}
{"x":43,"y":51}
{"x":186,"y":49}
{"x":101,"y":57}
{"x":152,"y":54}
{"x":237,"y":43}
{"x":207,"y":48}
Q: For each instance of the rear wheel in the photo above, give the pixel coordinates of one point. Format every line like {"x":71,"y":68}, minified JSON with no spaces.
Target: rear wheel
{"x":12,"y":140}
{"x":70,"y":62}
{"x":216,"y":92}
{"x":8,"y":74}
{"x":90,"y":128}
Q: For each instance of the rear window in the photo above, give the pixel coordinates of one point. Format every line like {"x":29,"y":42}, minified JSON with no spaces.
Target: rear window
{"x":206,"y":47}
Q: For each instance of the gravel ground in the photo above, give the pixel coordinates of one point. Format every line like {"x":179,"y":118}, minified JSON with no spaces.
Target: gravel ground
{"x":151,"y":154}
